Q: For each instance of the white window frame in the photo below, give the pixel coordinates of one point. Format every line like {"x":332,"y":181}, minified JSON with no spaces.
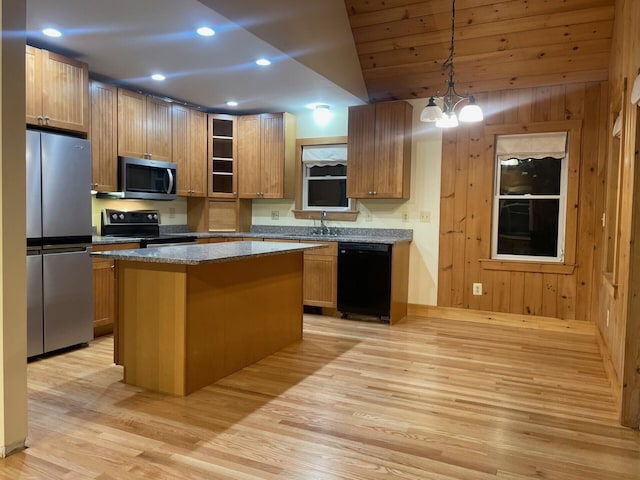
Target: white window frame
{"x":306,"y":167}
{"x":562,"y":209}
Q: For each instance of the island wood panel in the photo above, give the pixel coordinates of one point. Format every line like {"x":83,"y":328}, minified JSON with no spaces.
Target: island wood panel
{"x":153,"y":332}
{"x":202,"y":328}
{"x":466,"y":207}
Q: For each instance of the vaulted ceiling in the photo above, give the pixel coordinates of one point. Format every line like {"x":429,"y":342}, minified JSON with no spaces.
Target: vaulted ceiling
{"x":499,"y":44}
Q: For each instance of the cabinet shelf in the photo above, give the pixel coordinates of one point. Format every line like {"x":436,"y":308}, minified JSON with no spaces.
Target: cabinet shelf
{"x":222,"y":154}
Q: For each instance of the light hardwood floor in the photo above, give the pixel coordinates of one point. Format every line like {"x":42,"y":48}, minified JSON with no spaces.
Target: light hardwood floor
{"x":425,"y":399}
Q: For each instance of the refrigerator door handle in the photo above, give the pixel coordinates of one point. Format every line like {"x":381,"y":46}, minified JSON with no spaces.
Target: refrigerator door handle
{"x":170,"y":175}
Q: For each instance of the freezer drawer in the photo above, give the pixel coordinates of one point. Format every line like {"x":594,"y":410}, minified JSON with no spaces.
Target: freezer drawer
{"x":35,"y":344}
{"x":68,"y":298}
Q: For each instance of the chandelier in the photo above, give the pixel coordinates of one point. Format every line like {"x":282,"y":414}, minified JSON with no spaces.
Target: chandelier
{"x":445,"y":117}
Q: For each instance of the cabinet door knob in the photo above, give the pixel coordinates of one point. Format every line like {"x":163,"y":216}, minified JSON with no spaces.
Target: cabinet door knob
{"x":375,"y":193}
{"x":40,"y":119}
{"x":46,"y":119}
{"x":370,"y":193}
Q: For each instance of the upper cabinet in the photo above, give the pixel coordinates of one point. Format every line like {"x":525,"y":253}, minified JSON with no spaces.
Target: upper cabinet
{"x":266,"y":155}
{"x":222,"y":156}
{"x":144,"y":126}
{"x":379,"y":150}
{"x":57,"y":91}
{"x":103,"y":136}
{"x":189,"y":148}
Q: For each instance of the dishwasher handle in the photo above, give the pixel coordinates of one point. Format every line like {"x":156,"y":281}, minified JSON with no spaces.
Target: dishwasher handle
{"x":357,"y":247}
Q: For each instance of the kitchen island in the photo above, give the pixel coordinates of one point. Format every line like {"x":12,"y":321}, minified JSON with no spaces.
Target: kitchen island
{"x":192,"y":314}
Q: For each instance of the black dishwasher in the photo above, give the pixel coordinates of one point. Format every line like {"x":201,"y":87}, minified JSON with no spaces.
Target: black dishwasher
{"x":364,"y":279}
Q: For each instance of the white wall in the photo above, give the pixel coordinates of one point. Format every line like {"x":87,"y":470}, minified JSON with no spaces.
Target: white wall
{"x":425,"y":198}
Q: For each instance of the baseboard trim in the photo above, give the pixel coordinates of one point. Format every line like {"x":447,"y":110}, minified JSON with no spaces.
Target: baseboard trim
{"x":6,"y":450}
{"x":610,"y":370}
{"x":504,"y":319}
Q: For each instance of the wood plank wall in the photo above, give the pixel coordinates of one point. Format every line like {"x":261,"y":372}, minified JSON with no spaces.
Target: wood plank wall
{"x":618,"y":319}
{"x":466,"y":207}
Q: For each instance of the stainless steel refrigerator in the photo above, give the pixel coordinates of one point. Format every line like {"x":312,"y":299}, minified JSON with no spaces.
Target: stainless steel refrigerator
{"x":59,"y":274}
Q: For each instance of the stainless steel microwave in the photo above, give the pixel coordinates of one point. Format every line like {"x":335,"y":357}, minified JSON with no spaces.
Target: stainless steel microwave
{"x":147,"y":179}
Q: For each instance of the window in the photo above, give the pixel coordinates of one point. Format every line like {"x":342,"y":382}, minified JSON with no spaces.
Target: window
{"x":324,"y":177}
{"x":529,"y":210}
{"x":321,"y":173}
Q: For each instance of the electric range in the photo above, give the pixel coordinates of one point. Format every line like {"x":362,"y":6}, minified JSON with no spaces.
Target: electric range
{"x":142,"y":224}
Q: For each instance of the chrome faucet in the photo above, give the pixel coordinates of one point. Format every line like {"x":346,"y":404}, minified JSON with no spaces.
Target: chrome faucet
{"x":324,"y":230}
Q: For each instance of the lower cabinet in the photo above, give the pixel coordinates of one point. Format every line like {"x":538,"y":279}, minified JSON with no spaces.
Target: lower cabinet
{"x":105,"y":311}
{"x":320,"y":276}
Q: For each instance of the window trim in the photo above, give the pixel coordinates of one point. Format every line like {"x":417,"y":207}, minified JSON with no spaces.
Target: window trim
{"x":574,"y":131}
{"x":561,"y":197}
{"x":299,"y":212}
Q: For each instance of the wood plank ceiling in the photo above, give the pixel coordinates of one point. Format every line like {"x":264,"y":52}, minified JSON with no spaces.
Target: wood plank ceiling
{"x":499,"y":44}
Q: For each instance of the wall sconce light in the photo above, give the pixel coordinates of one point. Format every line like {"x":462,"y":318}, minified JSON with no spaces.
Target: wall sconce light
{"x":322,"y":114}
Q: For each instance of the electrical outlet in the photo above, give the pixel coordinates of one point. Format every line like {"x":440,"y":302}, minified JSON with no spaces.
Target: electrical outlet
{"x":607,"y":318}
{"x":405,"y":216}
{"x":275,"y":215}
{"x":425,"y":217}
{"x":477,"y":289}
{"x":172,"y":212}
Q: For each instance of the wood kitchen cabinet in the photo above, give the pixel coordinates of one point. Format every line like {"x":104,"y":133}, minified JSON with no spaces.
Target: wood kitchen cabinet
{"x":144,"y":126}
{"x":379,"y":150}
{"x":57,"y":91}
{"x":105,"y":310}
{"x":189,"y":150}
{"x":266,"y":155}
{"x":104,"y":137}
{"x":222,"y":156}
{"x":320,"y":278}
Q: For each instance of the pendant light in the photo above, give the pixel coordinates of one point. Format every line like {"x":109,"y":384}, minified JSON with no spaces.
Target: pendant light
{"x":446,"y":117}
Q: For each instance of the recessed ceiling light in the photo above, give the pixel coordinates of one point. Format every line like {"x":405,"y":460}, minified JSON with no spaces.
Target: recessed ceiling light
{"x":52,"y":32}
{"x":158,"y":77}
{"x":263,"y":62}
{"x":232,"y":103}
{"x":206,"y":32}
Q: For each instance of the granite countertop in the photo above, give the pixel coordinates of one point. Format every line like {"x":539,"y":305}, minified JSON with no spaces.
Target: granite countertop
{"x":359,"y":235}
{"x":205,"y":253}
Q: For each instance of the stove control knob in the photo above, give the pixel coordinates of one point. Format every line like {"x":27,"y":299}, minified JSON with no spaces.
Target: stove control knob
{"x":149,"y":216}
{"x":155,"y":216}
{"x":121,"y":216}
{"x":114,"y":216}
